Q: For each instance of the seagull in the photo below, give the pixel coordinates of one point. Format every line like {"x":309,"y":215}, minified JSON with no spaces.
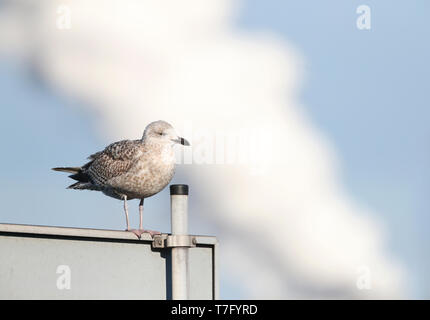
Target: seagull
{"x":131,"y":169}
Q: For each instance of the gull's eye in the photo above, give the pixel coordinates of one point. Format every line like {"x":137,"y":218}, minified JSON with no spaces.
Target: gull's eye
{"x":160,"y":133}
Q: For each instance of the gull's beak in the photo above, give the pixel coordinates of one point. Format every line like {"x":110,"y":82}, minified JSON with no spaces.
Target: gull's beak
{"x":182,"y":141}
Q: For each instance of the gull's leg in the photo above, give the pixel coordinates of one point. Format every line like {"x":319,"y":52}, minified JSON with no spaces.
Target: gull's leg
{"x":141,"y":214}
{"x":139,"y":232}
{"x":126,"y":213}
{"x":136,"y":232}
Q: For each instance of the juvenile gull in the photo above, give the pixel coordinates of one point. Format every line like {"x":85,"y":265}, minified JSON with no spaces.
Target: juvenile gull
{"x":131,"y":169}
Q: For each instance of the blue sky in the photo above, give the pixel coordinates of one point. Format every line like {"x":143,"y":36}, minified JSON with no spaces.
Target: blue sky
{"x":35,"y":125}
{"x":366,"y":90}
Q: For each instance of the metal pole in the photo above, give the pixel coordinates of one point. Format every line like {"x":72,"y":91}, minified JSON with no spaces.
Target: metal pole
{"x":179,"y":220}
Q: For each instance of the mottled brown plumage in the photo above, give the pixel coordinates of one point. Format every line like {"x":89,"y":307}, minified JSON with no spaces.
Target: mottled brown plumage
{"x":130,"y":169}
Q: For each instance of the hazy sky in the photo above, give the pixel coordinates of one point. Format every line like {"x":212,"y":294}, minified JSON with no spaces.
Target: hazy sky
{"x":367,"y":90}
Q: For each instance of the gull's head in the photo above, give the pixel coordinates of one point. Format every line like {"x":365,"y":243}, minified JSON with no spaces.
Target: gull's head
{"x":162,"y":132}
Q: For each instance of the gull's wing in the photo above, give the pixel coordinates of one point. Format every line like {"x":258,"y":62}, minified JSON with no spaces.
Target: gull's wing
{"x":115,"y":160}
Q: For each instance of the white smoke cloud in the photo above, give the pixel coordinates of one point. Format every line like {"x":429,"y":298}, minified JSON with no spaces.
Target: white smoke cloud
{"x":287,"y":230}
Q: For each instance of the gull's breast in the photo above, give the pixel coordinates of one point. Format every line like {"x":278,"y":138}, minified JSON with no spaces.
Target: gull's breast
{"x":148,"y":176}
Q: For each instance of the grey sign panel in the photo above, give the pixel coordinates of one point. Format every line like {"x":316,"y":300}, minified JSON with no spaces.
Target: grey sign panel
{"x":68,"y":263}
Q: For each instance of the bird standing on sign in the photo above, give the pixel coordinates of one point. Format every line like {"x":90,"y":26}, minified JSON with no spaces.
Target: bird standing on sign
{"x":131,"y":169}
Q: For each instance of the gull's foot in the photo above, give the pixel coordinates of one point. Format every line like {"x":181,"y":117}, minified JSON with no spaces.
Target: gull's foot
{"x":151,"y":232}
{"x":139,"y":232}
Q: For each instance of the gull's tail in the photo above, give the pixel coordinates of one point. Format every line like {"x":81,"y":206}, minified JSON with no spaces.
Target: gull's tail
{"x":84,"y":182}
{"x":68,"y":169}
